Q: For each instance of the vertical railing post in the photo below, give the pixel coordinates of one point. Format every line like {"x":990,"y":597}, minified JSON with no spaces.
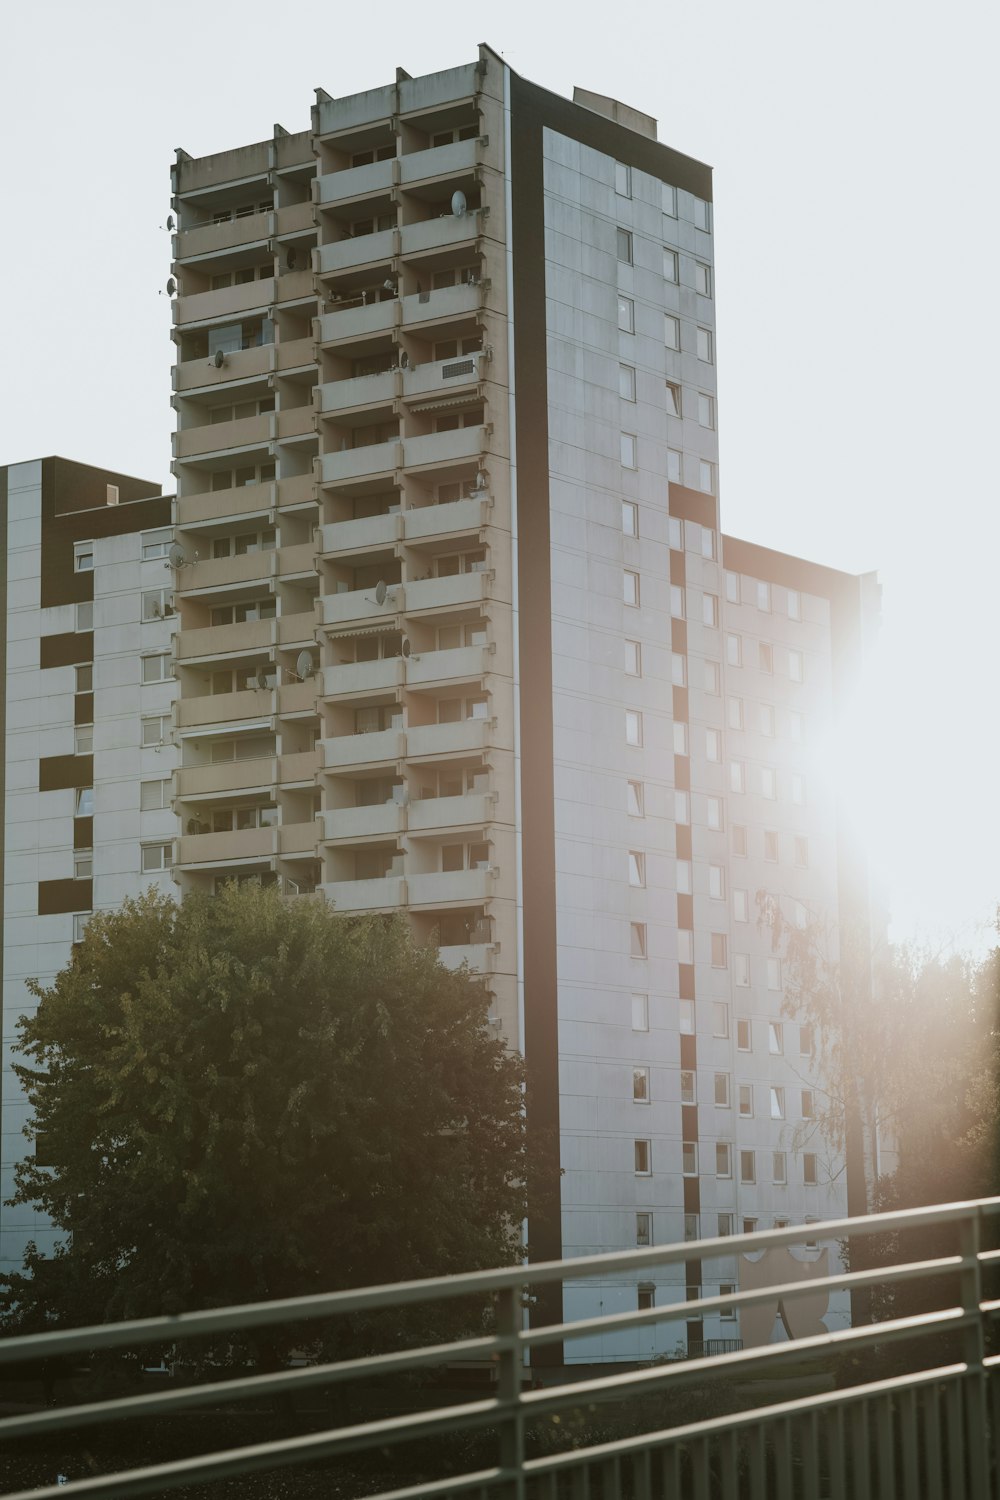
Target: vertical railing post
{"x":974,"y":1348}
{"x":509,"y":1390}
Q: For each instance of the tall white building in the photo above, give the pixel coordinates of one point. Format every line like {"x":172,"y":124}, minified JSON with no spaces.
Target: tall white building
{"x":460,"y":636}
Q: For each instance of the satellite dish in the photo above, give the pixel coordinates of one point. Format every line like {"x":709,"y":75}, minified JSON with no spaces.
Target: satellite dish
{"x":304,"y":665}
{"x":176,"y":555}
{"x":388,"y":284}
{"x":404,"y":360}
{"x":405,"y":648}
{"x":218,"y":359}
{"x":481,"y":480}
{"x":381,"y":591}
{"x":170,"y":221}
{"x":291,"y":259}
{"x":459,"y":203}
{"x":171,"y":286}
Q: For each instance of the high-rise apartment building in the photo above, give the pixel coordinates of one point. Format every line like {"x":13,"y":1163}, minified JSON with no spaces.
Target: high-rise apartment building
{"x":458,"y":634}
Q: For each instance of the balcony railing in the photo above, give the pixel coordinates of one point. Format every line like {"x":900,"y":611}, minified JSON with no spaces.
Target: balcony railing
{"x":928,"y":1431}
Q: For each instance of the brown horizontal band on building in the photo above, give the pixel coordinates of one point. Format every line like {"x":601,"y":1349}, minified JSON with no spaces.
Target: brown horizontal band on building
{"x":55,"y":896}
{"x":75,"y":509}
{"x":678,"y":568}
{"x":70,"y":649}
{"x":682,"y":773}
{"x":689,"y":1050}
{"x":685,"y":979}
{"x":683,"y":831}
{"x":83,"y":708}
{"x":685,"y":912}
{"x":58,"y":771}
{"x":679,"y":636}
{"x":680,"y":703}
{"x":692,"y":1195}
{"x":788,"y":572}
{"x":691,"y":505}
{"x":83,"y":833}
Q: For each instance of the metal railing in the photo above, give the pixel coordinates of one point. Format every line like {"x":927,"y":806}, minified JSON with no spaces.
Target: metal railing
{"x":929,"y":1429}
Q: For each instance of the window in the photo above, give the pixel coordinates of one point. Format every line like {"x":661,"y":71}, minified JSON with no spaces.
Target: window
{"x":669,"y":265}
{"x":157,"y":604}
{"x":727,"y":1289}
{"x":794,"y":604}
{"x":739,"y":840}
{"x":703,"y":344}
{"x":702,"y":279}
{"x":733,"y":588}
{"x":472,"y":856}
{"x":706,"y":410}
{"x":676,"y":601}
{"x":678,"y":669}
{"x":713,"y":746}
{"x":807,"y":1104}
{"x":673,"y":399}
{"x":807,"y":1040}
{"x":746,"y":1098}
{"x":634,"y":798}
{"x":779,"y":1168}
{"x":702,"y":215}
{"x":689,"y":1158}
{"x":640,"y":1085}
{"x":749,"y":1226}
{"x":774,"y":973}
{"x":644,"y":1229}
{"x":633,"y":727}
{"x":643,"y":1158}
{"x":741,"y":970}
{"x":713,"y":678}
{"x":85,"y":677}
{"x":795,"y":666}
{"x":671,"y":331}
{"x":669,"y":200}
{"x":628,"y":450}
{"x":768,"y":783}
{"x":771,"y":848}
{"x":680,"y":735}
{"x":684,"y":877}
{"x":735,"y":713}
{"x":636,"y":868}
{"x":626,"y":314}
{"x":674,"y":476}
{"x":626,"y":382}
{"x":155,"y":857}
{"x":734,"y":652}
{"x":713,"y":811}
{"x":682,"y":807}
{"x":690,"y":1226}
{"x":737,"y":776}
{"x":717,"y":882}
{"x":623,"y":179}
{"x":154,"y":796}
{"x":83,"y":739}
{"x":775,"y":1039}
{"x":85,"y":616}
{"x":710,"y":610}
{"x":777,"y":1102}
{"x":83,"y":864}
{"x":809,"y":1176}
{"x":748,"y":1166}
{"x":633,"y":659}
{"x":725,"y":1225}
{"x":723,"y":1159}
{"x":685,"y":945}
{"x":156,"y":729}
{"x":156,"y":544}
{"x":640,"y":1012}
{"x":645,"y":1297}
{"x":637,"y":939}
{"x":741,"y":906}
{"x":686,"y":1017}
{"x":623,"y":244}
{"x":156,"y":668}
{"x":80,"y":920}
{"x":706,"y":477}
{"x":630,"y":518}
{"x":83,"y":557}
{"x":674,"y":537}
{"x":722,"y":1090}
{"x":798,"y":789}
{"x":718,"y":950}
{"x":687,"y":1086}
{"x":765,"y":657}
{"x":720,"y":1018}
{"x":84,"y":802}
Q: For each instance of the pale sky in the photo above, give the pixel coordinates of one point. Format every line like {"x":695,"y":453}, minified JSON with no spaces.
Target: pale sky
{"x":858,"y":303}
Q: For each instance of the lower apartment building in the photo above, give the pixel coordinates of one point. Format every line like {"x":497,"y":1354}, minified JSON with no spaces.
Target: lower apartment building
{"x":457,"y":634}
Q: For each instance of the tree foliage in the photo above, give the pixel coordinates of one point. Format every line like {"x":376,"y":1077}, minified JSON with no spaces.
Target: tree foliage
{"x":241,"y":1098}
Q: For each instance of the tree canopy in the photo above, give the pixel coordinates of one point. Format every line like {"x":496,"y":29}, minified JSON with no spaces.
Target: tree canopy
{"x":240,"y":1097}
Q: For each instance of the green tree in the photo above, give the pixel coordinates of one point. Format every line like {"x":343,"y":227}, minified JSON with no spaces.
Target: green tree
{"x":241,"y":1097}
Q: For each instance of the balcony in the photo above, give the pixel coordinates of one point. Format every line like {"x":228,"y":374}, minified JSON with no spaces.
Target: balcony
{"x":431,"y":378}
{"x":242,"y":364}
{"x":297,"y":697}
{"x":451,"y":888}
{"x":446,"y":302}
{"x":436,"y":448}
{"x":225,"y":640}
{"x":438,"y":813}
{"x":298,"y":839}
{"x":339,"y":115}
{"x":293,"y":354}
{"x":366,"y":677}
{"x":228,"y":776}
{"x":438,"y":161}
{"x":208,"y":239}
{"x":442,"y":520}
{"x":386,"y":894}
{"x":224,"y":848}
{"x":247,"y":164}
{"x":225,"y":572}
{"x":355,"y":394}
{"x":350,"y":824}
{"x":439,"y":233}
{"x":386,"y":746}
{"x":478,"y":956}
{"x":361,"y":250}
{"x":359,"y":606}
{"x":358,"y":463}
{"x":297,"y":630}
{"x":298,"y":768}
{"x":212,"y":505}
{"x":427,"y":741}
{"x":353,"y":182}
{"x":298,"y":489}
{"x":216,"y":437}
{"x":353,"y":536}
{"x":227,"y":302}
{"x":358,"y":322}
{"x":461,"y":663}
{"x":296,"y":218}
{"x":294,"y":286}
{"x":298,"y":421}
{"x":293,"y":561}
{"x":443,"y":593}
{"x":223,"y":708}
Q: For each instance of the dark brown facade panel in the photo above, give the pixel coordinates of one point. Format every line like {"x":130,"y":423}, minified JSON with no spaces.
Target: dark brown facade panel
{"x":678,"y":568}
{"x":692,"y":1196}
{"x":85,"y":487}
{"x":689,"y":1122}
{"x":67,"y":650}
{"x":83,"y":833}
{"x":689,"y":1051}
{"x":692,"y":1273}
{"x":683,"y":840}
{"x":680,"y":703}
{"x":56,"y":896}
{"x":788,"y":572}
{"x":692,"y":505}
{"x":685,"y":912}
{"x":58,"y":771}
{"x":83,"y":708}
{"x":75,"y":509}
{"x":682,"y":773}
{"x":679,"y":636}
{"x":686,"y":981}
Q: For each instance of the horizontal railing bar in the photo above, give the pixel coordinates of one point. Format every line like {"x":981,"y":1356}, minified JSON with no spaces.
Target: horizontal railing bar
{"x":555,"y":1332}
{"x":779,"y":1411}
{"x":245,"y":1388}
{"x":168,"y":1330}
{"x":433,"y":1488}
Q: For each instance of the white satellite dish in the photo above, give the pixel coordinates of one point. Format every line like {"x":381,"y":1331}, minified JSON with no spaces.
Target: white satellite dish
{"x":381,"y":590}
{"x":304,"y":665}
{"x":459,"y":203}
{"x":176,"y":555}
